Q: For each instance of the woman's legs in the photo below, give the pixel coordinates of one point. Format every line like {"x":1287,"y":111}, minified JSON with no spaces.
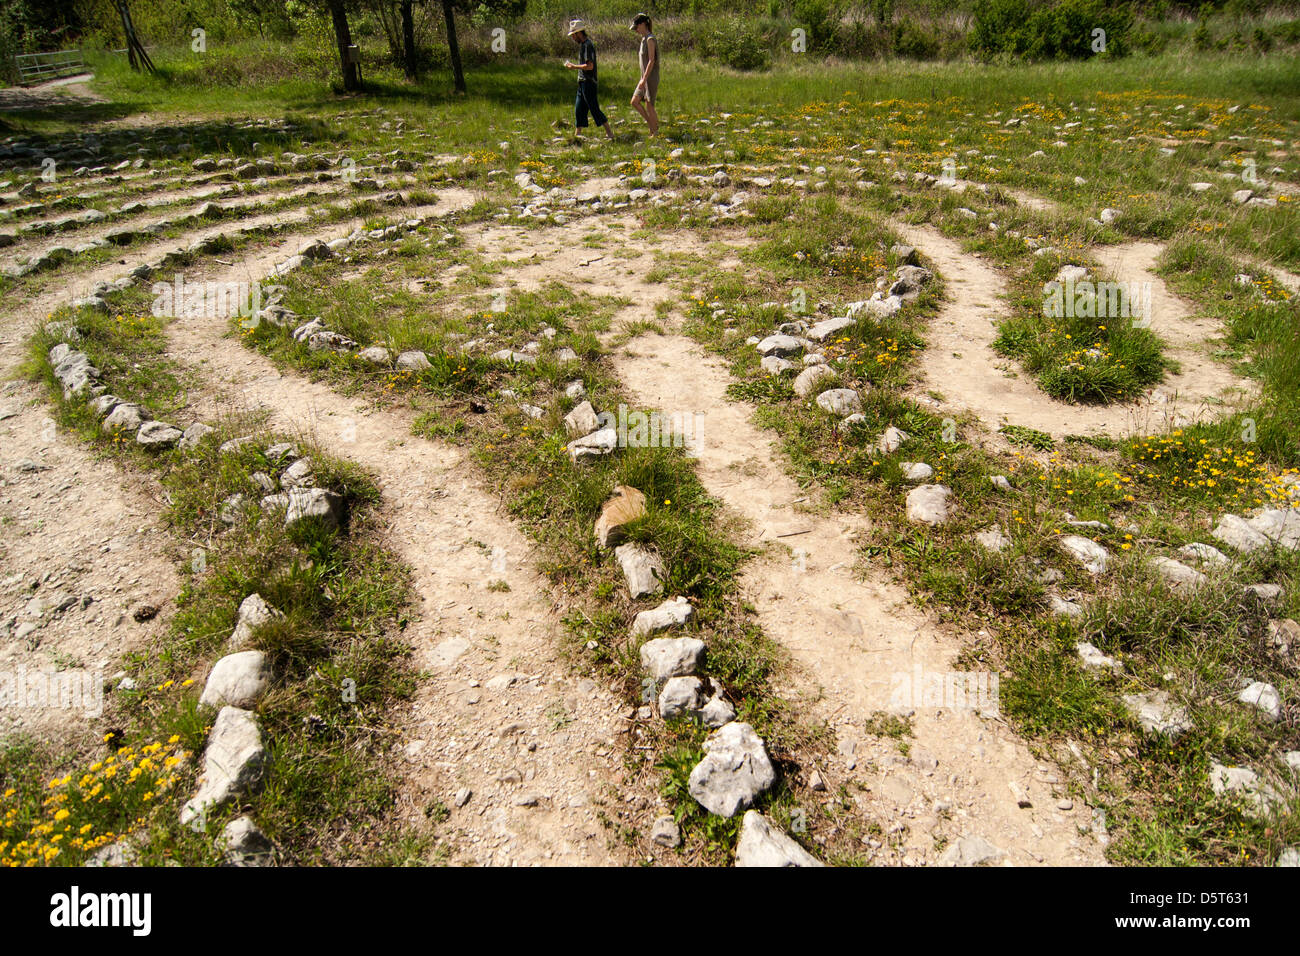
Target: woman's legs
{"x":637,"y":104}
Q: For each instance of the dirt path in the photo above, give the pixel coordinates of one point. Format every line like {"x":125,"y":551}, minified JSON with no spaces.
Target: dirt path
{"x":80,"y":554}
{"x":61,"y":92}
{"x":1288,"y":280}
{"x":60,"y":287}
{"x":614,"y":268}
{"x":961,"y":366}
{"x":500,"y":712}
{"x":850,"y":637}
{"x":1036,"y":203}
{"x":1202,"y":380}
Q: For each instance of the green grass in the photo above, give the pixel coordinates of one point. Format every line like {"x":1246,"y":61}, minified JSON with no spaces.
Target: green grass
{"x":1155,"y":493}
{"x":343,"y":598}
{"x":556,"y":501}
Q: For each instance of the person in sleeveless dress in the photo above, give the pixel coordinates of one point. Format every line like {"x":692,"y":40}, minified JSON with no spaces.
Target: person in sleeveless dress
{"x":647,"y":88}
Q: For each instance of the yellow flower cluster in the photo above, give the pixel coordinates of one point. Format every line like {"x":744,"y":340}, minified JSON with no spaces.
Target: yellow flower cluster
{"x":399,"y":380}
{"x":1233,"y":473}
{"x":112,"y":797}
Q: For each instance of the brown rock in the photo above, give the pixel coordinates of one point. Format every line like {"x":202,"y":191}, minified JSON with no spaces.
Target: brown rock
{"x":1284,"y":638}
{"x":627,"y":505}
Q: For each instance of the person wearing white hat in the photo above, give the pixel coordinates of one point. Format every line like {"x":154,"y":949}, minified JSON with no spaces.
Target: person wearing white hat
{"x":643,"y":97}
{"x":586,"y":67}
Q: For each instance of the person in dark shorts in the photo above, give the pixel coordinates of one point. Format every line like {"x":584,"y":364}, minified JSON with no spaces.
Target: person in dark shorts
{"x":586,"y":65}
{"x":647,"y":87}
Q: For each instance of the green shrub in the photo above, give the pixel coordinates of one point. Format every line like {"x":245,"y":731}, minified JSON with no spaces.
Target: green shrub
{"x":738,"y":44}
{"x":913,"y":42}
{"x":1288,"y":32}
{"x":821,"y":19}
{"x":1033,"y":30}
{"x":1201,"y":38}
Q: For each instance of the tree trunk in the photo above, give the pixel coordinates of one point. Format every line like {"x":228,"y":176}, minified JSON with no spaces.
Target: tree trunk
{"x":408,"y":39}
{"x":126,"y":32}
{"x":457,"y":73}
{"x":135,"y":52}
{"x":343,"y":34}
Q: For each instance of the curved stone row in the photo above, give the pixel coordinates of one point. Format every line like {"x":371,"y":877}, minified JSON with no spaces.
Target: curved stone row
{"x":208,"y":211}
{"x":234,"y":761}
{"x":736,"y":769}
{"x":234,"y":758}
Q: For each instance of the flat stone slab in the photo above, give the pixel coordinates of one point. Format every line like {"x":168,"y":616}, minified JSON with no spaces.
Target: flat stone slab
{"x":928,"y":504}
{"x":762,"y":843}
{"x":780,"y":345}
{"x":243,"y":843}
{"x":697,"y":697}
{"x":642,"y":568}
{"x":916,"y":470}
{"x":971,"y":851}
{"x":676,"y":612}
{"x":666,"y":657}
{"x":1284,"y":637}
{"x":734,"y":771}
{"x":319,"y":503}
{"x":1270,"y":595}
{"x":1092,"y":556}
{"x":825,"y":329}
{"x":127,"y":416}
{"x":1235,"y":532}
{"x":232,"y":762}
{"x":600,"y":442}
{"x":1204,"y":554}
{"x":582,"y":420}
{"x":238,"y":679}
{"x":158,"y":435}
{"x":1264,"y":698}
{"x":413,"y":361}
{"x":1063,"y":607}
{"x":191,"y":437}
{"x":839,"y":401}
{"x":1281,"y":526}
{"x":810,"y":379}
{"x":891,"y":440}
{"x":992,"y":539}
{"x":1093,"y":659}
{"x":1157,"y":714}
{"x":1177,"y":575}
{"x":1244,"y":783}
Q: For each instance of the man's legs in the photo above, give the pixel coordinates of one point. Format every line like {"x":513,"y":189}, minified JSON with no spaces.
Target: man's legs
{"x":587,"y":91}
{"x":580,"y":109}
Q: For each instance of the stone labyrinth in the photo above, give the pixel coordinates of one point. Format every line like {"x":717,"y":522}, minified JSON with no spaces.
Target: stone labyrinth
{"x":576,"y":508}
